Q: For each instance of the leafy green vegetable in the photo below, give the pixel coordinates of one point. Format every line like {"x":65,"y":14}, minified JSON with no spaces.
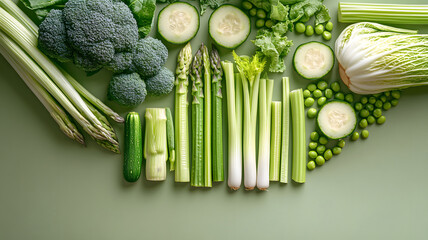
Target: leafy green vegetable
{"x":263,"y":4}
{"x":143,"y":11}
{"x":213,"y":4}
{"x":322,"y":16}
{"x":38,"y":4}
{"x":278,"y":11}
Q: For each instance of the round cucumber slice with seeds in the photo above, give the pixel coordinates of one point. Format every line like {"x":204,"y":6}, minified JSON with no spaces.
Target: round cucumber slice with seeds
{"x":313,"y":60}
{"x":229,"y":26}
{"x":337,"y":119}
{"x":178,"y":22}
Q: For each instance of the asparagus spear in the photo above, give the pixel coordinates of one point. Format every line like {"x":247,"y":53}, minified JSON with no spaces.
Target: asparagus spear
{"x":170,"y":139}
{"x":217,"y":125}
{"x":197,"y":176}
{"x":182,"y":173}
{"x":207,"y":118}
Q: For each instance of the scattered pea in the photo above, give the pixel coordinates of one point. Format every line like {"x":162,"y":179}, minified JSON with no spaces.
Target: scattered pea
{"x":364,"y":100}
{"x":323,"y":140}
{"x":260,"y":23}
{"x":328,"y":154}
{"x":326,"y":35}
{"x":261,"y":13}
{"x":387,"y":106}
{"x":320,"y":149}
{"x":358,"y":106}
{"x":337,"y":150}
{"x":355,"y":136}
{"x":341,"y":143}
{"x":247,"y":5}
{"x":306,"y":93}
{"x":381,"y":120}
{"x":320,"y":160}
{"x":317,"y":93}
{"x":377,"y":112}
{"x":328,"y":93}
{"x":312,"y":154}
{"x":387,"y":94}
{"x":319,"y":29}
{"x":396,"y":94}
{"x":339,"y":96}
{"x":372,"y":100}
{"x":349,"y":97}
{"x":383,"y":98}
{"x":321,"y":101}
{"x":309,"y":30}
{"x":378,"y":104}
{"x":269,"y":23}
{"x":363,"y":123}
{"x":312,"y":87}
{"x":371,"y":119}
{"x":311,"y":165}
{"x":322,"y":85}
{"x":370,"y":107}
{"x":335,"y":86}
{"x":313,"y":145}
{"x":312,"y":113}
{"x":300,"y":27}
{"x":315,"y":136}
{"x":394,"y":102}
{"x":329,"y":26}
{"x":365,"y":134}
{"x":309,"y":102}
{"x":364,"y":113}
{"x":253,"y":12}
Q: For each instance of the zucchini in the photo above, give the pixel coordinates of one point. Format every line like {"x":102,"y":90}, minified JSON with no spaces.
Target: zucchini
{"x":178,"y":22}
{"x":229,"y":26}
{"x":313,"y":60}
{"x":133,"y":154}
{"x":337,"y":119}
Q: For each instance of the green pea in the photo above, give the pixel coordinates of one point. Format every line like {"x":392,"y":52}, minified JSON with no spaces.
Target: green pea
{"x":381,"y":120}
{"x":309,"y":102}
{"x":320,"y":149}
{"x":253,"y":12}
{"x":387,"y":94}
{"x":364,"y":113}
{"x":312,"y":87}
{"x":319,"y":29}
{"x":328,"y":93}
{"x":372,"y":100}
{"x":317,"y":93}
{"x":364,"y":100}
{"x":376,"y":95}
{"x":323,"y":140}
{"x":383,"y":98}
{"x":306,"y":93}
{"x":261,"y":13}
{"x":394,"y":102}
{"x":311,"y":165}
{"x":358,"y":106}
{"x":309,"y":30}
{"x":365,"y":134}
{"x":312,"y":154}
{"x":370,"y":107}
{"x":260,"y":23}
{"x":322,"y":85}
{"x":339,"y":96}
{"x":337,"y":150}
{"x":355,"y":136}
{"x":269,"y":23}
{"x":396,"y":94}
{"x":363,"y":123}
{"x":328,"y":154}
{"x":315,"y":136}
{"x":326,"y":35}
{"x":329,"y":26}
{"x":377,"y":112}
{"x":387,"y":106}
{"x":300,"y":27}
{"x":349,"y":97}
{"x":312,"y":113}
{"x":313,"y":145}
{"x":371,"y":119}
{"x":247,"y":5}
{"x":341,"y":143}
{"x":335,"y":86}
{"x":321,"y":101}
{"x":320,"y":160}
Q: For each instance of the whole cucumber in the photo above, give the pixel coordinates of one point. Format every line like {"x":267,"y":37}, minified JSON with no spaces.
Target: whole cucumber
{"x":133,"y":154}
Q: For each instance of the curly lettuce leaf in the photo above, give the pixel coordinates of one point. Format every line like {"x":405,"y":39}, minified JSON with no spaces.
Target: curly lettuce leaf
{"x":322,"y":16}
{"x":143,"y":11}
{"x":303,"y":11}
{"x":263,"y":4}
{"x":279,"y":11}
{"x":213,"y":4}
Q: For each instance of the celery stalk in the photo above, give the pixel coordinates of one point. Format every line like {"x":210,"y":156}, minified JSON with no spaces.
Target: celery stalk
{"x":170,"y":139}
{"x":275,"y":141}
{"x":285,"y":129}
{"x":299,"y":144}
{"x":208,"y":179}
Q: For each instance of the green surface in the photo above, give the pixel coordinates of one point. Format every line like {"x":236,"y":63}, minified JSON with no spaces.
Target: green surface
{"x":53,"y":188}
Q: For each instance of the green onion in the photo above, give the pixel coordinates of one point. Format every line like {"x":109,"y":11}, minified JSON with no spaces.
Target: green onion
{"x":285,"y":129}
{"x":275,"y":142}
{"x":299,"y":145}
{"x":383,"y":13}
{"x":207,"y":117}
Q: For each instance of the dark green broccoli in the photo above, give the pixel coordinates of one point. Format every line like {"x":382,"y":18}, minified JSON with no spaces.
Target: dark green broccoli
{"x":121,"y":62}
{"x":149,"y":57}
{"x":160,"y":84}
{"x":127,"y":89}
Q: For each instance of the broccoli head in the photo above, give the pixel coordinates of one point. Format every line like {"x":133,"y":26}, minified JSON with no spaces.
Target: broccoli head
{"x":160,"y":84}
{"x":149,"y":57}
{"x":121,"y":62}
{"x":53,"y":37}
{"x":127,"y":89}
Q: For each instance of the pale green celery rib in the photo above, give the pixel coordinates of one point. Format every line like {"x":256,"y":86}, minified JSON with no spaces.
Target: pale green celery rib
{"x":275,"y":142}
{"x":19,"y":15}
{"x":299,"y":148}
{"x":285,"y":129}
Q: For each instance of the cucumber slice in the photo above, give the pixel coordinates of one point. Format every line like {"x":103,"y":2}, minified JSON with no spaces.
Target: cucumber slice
{"x":337,"y":119}
{"x":229,"y":26}
{"x":178,"y":22}
{"x":313,"y":60}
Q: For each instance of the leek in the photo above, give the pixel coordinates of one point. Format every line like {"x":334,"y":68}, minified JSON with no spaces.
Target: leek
{"x":298,"y":173}
{"x":283,"y":176}
{"x":275,"y":141}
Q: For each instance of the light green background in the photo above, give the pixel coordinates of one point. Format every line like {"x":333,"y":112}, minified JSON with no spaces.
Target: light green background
{"x":53,"y":188}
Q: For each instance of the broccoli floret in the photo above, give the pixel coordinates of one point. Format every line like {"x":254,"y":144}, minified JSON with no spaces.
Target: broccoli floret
{"x":121,"y":62}
{"x":149,"y":57}
{"x":160,"y":84}
{"x":85,"y":63}
{"x":127,"y":89}
{"x":53,"y":37}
